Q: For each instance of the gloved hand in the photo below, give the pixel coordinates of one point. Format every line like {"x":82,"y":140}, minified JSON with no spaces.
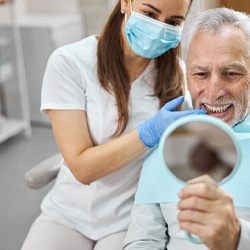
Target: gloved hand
{"x":150,"y":131}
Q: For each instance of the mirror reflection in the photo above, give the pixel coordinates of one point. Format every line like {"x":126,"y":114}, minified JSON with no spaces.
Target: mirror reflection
{"x":199,"y":148}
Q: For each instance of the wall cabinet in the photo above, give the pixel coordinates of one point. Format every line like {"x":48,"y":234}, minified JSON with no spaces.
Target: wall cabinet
{"x":14,"y":104}
{"x":242,"y":5}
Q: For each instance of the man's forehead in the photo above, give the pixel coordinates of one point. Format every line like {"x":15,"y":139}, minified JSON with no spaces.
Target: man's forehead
{"x":227,"y":66}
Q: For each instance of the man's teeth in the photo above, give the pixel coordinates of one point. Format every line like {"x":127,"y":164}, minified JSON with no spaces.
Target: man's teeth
{"x":217,"y":109}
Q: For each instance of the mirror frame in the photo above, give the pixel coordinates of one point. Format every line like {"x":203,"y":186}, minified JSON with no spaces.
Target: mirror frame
{"x":200,"y":118}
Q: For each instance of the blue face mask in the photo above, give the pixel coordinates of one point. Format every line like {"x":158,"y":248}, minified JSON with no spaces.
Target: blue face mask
{"x":150,"y":38}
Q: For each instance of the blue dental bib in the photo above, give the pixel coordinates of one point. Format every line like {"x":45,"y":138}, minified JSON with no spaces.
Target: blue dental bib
{"x":158,"y":185}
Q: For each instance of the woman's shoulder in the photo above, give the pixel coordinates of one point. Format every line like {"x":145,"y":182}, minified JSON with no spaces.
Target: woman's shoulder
{"x":80,"y":50}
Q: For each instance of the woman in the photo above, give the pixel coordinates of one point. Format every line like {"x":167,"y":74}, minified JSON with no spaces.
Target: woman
{"x":100,"y":94}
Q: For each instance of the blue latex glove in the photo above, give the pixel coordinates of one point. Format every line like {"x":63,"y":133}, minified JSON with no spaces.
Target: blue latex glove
{"x":150,"y":131}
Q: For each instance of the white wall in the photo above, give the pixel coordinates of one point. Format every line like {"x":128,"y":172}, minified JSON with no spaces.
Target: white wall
{"x":20,"y":7}
{"x":69,"y":6}
{"x":210,"y":3}
{"x":95,"y":12}
{"x":197,"y":6}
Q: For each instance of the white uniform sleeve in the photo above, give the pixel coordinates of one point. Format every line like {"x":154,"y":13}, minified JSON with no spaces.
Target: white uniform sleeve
{"x":62,"y":85}
{"x":147,"y":229}
{"x":244,"y":242}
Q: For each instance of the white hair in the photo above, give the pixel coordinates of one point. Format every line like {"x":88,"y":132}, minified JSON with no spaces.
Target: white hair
{"x":213,"y":20}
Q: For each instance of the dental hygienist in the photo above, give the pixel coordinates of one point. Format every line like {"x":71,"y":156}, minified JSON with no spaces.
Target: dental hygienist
{"x":109,"y":99}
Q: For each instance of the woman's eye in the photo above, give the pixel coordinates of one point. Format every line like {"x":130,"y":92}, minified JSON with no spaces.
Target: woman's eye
{"x":174,"y":23}
{"x":149,"y":14}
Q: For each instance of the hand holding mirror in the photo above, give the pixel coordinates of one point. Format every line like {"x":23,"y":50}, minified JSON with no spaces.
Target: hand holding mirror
{"x":197,"y":145}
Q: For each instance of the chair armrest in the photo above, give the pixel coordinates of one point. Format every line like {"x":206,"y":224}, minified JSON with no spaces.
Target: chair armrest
{"x":44,"y":172}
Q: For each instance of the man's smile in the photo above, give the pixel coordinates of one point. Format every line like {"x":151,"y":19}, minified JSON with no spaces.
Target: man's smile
{"x":217,"y":108}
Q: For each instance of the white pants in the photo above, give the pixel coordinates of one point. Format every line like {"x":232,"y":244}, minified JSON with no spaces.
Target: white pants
{"x":46,"y":234}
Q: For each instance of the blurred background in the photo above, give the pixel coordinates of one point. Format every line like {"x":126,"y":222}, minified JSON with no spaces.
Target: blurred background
{"x":30,"y":30}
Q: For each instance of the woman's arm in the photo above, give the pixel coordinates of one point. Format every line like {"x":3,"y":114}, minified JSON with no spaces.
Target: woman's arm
{"x":86,"y":161}
{"x":64,"y":99}
{"x":147,"y":229}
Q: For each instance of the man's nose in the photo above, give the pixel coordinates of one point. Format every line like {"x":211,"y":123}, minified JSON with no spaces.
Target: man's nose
{"x":215,"y":88}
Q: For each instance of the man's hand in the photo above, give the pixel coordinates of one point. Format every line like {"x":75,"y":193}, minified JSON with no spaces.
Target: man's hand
{"x":208,"y":212}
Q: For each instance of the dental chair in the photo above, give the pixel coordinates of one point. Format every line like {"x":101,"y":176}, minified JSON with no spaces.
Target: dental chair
{"x":44,"y":172}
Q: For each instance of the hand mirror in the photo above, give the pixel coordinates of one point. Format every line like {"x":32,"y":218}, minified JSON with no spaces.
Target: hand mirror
{"x":200,"y":144}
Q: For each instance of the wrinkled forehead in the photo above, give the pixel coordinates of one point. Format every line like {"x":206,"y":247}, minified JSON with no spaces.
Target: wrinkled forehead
{"x":228,"y":44}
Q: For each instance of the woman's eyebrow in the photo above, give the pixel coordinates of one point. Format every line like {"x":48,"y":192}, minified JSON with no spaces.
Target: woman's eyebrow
{"x":153,"y":7}
{"x":179,"y":17}
{"x":159,"y":11}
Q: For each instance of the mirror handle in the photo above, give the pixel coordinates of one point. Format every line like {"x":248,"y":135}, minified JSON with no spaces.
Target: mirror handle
{"x":193,"y":238}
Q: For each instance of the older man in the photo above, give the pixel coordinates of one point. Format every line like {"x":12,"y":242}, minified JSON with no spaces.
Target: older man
{"x":218,"y":76}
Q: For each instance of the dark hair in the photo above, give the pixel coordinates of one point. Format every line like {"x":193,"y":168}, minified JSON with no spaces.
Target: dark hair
{"x":115,"y":78}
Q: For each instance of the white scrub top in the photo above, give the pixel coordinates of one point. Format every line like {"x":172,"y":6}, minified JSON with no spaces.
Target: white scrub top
{"x":71,"y":82}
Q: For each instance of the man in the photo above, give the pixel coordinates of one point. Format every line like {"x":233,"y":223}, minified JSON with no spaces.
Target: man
{"x":218,"y":76}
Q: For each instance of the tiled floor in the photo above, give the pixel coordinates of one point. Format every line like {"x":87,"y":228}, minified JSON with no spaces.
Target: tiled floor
{"x":19,"y":205}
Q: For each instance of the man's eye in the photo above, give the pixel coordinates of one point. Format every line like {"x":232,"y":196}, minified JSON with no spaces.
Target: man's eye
{"x":201,"y":74}
{"x":232,"y":74}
